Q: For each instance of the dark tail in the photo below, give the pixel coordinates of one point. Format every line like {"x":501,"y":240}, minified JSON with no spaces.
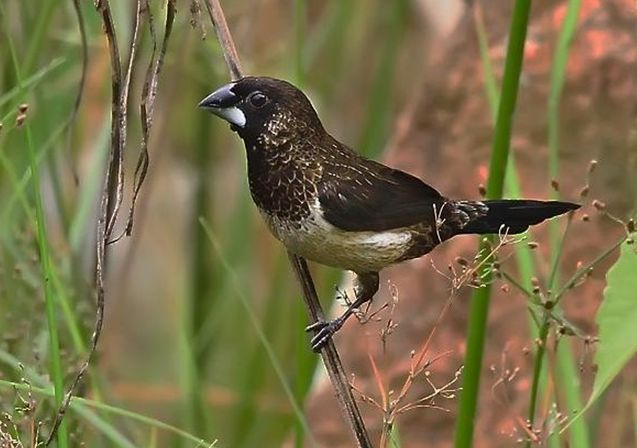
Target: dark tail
{"x":516,"y":214}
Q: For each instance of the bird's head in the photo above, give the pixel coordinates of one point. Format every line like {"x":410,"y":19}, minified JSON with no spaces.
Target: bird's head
{"x":261,"y":106}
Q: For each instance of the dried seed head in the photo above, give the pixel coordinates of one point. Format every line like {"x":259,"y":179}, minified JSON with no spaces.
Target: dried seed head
{"x":535,"y":281}
{"x":585,"y":217}
{"x":19,"y":120}
{"x":555,"y":185}
{"x":482,"y":190}
{"x":526,"y":350}
{"x":584,"y":191}
{"x":532,"y":245}
{"x":22,"y":108}
{"x":599,"y":205}
{"x":592,"y":165}
{"x":630,"y":225}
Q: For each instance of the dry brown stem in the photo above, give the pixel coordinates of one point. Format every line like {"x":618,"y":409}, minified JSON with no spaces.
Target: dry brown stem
{"x":112,"y":191}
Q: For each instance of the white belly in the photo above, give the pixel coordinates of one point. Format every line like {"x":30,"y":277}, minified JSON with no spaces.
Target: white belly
{"x":318,"y":240}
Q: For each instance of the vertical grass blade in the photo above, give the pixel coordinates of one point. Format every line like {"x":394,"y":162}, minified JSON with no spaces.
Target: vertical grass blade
{"x":267,"y":345}
{"x":44,"y":259}
{"x":566,"y":373}
{"x":49,"y":296}
{"x":374,"y":132}
{"x":497,"y":170}
{"x":203,"y":277}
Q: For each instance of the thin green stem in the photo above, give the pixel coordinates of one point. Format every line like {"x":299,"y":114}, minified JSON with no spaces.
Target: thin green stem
{"x":260,"y":333}
{"x":495,"y":186}
{"x":40,"y":34}
{"x":49,"y":296}
{"x":374,"y":131}
{"x":45,"y":263}
{"x":542,"y":338}
{"x":558,"y":72}
{"x":537,"y":365}
{"x":553,"y":277}
{"x":570,"y":283}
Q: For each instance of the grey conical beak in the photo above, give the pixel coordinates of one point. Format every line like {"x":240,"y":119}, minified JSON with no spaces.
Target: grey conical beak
{"x":223,"y":103}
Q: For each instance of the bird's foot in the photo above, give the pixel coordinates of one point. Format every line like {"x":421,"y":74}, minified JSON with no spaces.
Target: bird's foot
{"x":324,"y":329}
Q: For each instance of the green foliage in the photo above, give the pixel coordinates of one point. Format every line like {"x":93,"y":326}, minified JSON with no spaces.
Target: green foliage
{"x":616,"y":319}
{"x":476,"y":332}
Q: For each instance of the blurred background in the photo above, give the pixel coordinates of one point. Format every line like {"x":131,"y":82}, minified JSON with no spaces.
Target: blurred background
{"x":400,"y":81}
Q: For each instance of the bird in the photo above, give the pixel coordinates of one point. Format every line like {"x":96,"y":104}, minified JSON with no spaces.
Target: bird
{"x":329,"y":204}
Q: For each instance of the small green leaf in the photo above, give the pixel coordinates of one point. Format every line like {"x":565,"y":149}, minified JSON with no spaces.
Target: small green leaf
{"x":616,"y":321}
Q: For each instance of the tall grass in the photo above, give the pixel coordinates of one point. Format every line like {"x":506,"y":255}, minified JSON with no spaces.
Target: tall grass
{"x":565,"y":362}
{"x":497,"y":170}
{"x":50,"y":298}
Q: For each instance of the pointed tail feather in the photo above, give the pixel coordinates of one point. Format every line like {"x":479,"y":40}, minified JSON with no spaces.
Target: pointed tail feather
{"x":516,"y":214}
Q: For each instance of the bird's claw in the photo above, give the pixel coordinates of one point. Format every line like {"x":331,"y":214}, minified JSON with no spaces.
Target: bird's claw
{"x":324,"y":332}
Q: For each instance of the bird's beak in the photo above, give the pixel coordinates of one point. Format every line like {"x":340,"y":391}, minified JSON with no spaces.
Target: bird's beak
{"x":223,"y":103}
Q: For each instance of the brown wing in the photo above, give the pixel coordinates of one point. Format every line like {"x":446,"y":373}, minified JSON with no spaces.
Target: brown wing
{"x":368,"y":196}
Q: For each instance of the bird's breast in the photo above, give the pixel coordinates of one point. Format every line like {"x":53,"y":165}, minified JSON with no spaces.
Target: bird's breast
{"x":317,"y":240}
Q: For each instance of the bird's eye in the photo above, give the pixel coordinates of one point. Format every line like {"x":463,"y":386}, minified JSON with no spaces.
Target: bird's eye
{"x":258,"y":99}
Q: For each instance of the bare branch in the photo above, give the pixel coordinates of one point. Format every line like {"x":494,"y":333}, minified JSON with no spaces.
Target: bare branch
{"x":225,"y":38}
{"x":330,"y":356}
{"x":147,"y":107}
{"x":103,"y":7}
{"x":118,"y":157}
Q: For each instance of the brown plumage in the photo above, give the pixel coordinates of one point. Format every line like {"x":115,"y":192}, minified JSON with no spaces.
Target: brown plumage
{"x":329,"y":204}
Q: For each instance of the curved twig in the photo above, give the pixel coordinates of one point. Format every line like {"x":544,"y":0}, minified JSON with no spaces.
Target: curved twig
{"x":104,"y":216}
{"x":118,"y":157}
{"x":147,"y":107}
{"x":112,"y":190}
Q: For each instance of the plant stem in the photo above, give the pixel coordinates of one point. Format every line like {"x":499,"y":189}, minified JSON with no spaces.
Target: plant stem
{"x":537,"y":364}
{"x":495,"y":185}
{"x":45,"y":262}
{"x":330,"y":356}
